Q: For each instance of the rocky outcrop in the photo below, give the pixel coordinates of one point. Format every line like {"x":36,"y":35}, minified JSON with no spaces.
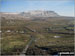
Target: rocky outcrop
{"x":40,"y":13}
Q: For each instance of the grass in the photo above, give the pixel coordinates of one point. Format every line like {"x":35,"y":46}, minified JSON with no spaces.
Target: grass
{"x":13,"y":43}
{"x":49,"y":40}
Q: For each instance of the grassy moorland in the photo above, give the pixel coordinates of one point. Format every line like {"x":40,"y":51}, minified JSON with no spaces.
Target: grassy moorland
{"x":16,"y":35}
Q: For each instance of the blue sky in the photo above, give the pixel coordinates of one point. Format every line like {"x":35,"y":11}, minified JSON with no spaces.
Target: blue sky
{"x":62,"y":7}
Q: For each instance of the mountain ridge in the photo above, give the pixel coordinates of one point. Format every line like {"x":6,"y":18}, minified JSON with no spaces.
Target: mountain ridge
{"x":40,"y":13}
{"x":29,"y":15}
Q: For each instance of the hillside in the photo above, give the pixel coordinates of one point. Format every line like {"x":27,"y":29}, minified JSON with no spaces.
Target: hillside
{"x":41,"y":35}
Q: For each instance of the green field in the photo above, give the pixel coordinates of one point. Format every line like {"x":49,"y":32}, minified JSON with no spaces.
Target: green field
{"x":16,"y":35}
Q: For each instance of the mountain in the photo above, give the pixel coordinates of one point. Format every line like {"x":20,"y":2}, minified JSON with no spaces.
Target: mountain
{"x":33,"y":15}
{"x":39,"y":13}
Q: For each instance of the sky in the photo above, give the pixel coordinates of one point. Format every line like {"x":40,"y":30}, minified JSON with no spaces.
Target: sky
{"x":62,"y":7}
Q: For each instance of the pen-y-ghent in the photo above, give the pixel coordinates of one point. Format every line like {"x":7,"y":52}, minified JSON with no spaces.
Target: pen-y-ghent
{"x":36,"y":33}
